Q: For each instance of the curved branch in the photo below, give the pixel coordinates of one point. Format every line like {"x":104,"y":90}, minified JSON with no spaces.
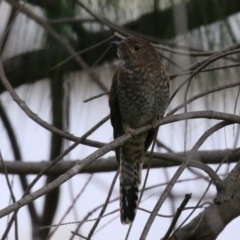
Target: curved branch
{"x":177,"y":174}
{"x":208,"y":224}
{"x":18,"y":159}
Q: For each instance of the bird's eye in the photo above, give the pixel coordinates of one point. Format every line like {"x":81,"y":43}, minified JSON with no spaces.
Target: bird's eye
{"x":137,"y":47}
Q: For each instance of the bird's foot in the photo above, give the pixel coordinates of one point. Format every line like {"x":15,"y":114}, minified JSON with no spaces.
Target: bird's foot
{"x":132,"y":131}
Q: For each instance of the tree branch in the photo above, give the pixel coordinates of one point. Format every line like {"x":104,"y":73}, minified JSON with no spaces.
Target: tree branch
{"x":178,"y":173}
{"x":208,"y":224}
{"x":160,"y":160}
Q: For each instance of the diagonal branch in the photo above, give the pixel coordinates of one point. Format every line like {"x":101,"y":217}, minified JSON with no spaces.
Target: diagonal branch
{"x":58,"y":38}
{"x":209,"y":223}
{"x":177,"y":175}
{"x":78,"y":167}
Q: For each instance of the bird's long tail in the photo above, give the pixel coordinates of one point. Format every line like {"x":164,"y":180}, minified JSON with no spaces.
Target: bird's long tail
{"x":131,"y":162}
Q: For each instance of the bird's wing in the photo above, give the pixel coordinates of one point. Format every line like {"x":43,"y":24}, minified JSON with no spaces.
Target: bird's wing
{"x":115,"y":115}
{"x":150,"y":137}
{"x":152,"y":132}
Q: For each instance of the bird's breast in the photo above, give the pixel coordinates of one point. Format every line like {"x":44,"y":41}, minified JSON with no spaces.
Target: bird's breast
{"x":140,"y":96}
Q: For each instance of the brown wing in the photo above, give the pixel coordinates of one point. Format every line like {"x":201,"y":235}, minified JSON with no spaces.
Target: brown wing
{"x":150,"y":137}
{"x":115,"y":115}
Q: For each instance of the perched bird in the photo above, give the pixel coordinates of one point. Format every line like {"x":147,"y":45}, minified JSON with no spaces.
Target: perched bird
{"x":139,"y":95}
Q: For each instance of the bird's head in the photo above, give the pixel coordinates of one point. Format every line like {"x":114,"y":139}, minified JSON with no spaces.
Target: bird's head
{"x":134,"y":50}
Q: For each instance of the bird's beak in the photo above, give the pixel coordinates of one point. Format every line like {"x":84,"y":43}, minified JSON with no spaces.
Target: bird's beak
{"x":116,"y":43}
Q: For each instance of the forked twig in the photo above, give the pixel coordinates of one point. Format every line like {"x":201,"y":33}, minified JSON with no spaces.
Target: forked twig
{"x":177,"y":215}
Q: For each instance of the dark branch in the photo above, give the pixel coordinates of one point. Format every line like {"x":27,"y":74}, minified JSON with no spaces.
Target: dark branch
{"x":208,"y":224}
{"x":110,"y":164}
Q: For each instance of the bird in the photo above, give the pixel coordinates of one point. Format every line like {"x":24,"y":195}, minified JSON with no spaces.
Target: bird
{"x":139,"y":95}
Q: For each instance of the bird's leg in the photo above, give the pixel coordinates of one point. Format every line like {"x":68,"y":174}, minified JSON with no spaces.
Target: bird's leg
{"x":128,"y":129}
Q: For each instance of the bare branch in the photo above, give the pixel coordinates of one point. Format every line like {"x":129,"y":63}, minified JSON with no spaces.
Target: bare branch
{"x":69,"y":20}
{"x":58,"y":38}
{"x":71,"y":206}
{"x":55,"y":161}
{"x":177,"y":215}
{"x":228,"y":66}
{"x":81,"y":52}
{"x":208,"y":224}
{"x":202,"y":64}
{"x":160,"y":160}
{"x":177,"y":175}
{"x":203,"y":94}
{"x":104,"y":206}
{"x":96,"y":96}
{"x":12,"y":197}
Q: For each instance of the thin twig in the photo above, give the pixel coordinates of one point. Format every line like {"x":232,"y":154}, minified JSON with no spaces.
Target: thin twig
{"x":231,"y":85}
{"x":185,"y":111}
{"x":12,"y":196}
{"x":96,"y":96}
{"x":159,"y":215}
{"x":203,"y":64}
{"x":54,"y":162}
{"x":107,"y":23}
{"x":184,"y":53}
{"x":176,"y":75}
{"x":89,"y":214}
{"x":197,"y":164}
{"x":164,"y":146}
{"x":71,"y":206}
{"x":69,"y":20}
{"x":81,"y":52}
{"x":221,"y":67}
{"x":58,"y":38}
{"x":101,"y":57}
{"x":170,"y":61}
{"x":104,"y":206}
{"x":220,"y":53}
{"x":176,"y":217}
{"x":89,"y":220}
{"x":9,"y":25}
{"x":234,"y":112}
{"x":171,"y":195}
{"x":48,"y":28}
{"x":29,"y":112}
{"x":189,"y":53}
{"x":77,"y":234}
{"x":173,"y":45}
{"x":106,"y":224}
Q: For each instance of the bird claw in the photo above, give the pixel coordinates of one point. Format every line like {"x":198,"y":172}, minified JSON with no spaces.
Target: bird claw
{"x":132,"y":131}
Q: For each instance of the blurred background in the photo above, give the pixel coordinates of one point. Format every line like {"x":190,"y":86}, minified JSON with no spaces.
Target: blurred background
{"x":32,"y":57}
